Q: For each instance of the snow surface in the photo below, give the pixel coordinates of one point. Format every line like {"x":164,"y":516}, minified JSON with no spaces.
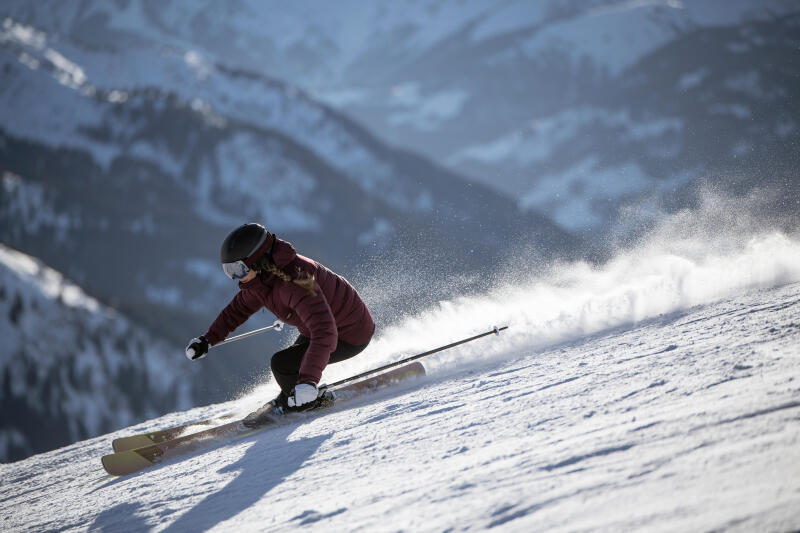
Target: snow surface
{"x":659,"y":391}
{"x":40,"y":281}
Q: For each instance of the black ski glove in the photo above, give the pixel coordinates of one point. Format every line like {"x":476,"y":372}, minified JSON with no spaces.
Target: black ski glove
{"x":198,"y":348}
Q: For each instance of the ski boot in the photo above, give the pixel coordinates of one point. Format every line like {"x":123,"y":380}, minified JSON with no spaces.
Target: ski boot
{"x":267,"y":413}
{"x":324,"y":399}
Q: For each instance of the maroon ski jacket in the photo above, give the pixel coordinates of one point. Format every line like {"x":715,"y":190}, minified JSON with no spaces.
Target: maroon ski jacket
{"x":336,"y":312}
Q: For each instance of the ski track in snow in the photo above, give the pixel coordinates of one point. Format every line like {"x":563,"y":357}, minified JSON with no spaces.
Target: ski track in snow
{"x":686,"y":421}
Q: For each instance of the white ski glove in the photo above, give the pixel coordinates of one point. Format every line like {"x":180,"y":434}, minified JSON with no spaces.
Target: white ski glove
{"x":197,"y":348}
{"x":303,"y":393}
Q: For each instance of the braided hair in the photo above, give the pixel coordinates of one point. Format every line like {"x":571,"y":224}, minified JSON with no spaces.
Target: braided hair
{"x":266,"y":266}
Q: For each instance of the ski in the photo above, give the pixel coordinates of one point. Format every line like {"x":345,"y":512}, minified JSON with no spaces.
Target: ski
{"x":130,"y":461}
{"x":141,"y":440}
{"x":410,"y":370}
{"x":171,"y":443}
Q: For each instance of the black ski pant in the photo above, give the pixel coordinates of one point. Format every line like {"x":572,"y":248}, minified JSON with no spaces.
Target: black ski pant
{"x":286,"y":363}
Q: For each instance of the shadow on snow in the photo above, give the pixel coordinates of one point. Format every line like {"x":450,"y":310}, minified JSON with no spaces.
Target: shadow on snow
{"x":266,"y":464}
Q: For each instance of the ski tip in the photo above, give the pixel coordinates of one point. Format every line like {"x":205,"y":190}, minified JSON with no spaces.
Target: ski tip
{"x":124,"y":463}
{"x":131,"y":443}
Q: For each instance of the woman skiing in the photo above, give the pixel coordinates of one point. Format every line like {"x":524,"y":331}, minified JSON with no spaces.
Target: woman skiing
{"x":333,"y":321}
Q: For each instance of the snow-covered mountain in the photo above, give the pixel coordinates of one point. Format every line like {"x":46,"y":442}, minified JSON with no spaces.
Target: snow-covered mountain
{"x":659,"y":391}
{"x":232,"y":139}
{"x":71,"y":367}
{"x":573,"y":108}
{"x":715,"y":103}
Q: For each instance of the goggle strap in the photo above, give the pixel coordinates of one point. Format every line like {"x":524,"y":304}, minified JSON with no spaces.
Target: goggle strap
{"x":259,"y":245}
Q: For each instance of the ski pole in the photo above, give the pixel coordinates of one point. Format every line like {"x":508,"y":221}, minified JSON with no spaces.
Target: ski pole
{"x":496,"y":331}
{"x":277,"y":326}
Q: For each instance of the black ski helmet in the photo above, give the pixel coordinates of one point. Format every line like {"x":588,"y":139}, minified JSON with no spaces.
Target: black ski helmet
{"x":243,"y":242}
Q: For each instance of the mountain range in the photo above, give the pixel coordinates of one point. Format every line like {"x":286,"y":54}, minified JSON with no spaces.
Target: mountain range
{"x":571,"y":108}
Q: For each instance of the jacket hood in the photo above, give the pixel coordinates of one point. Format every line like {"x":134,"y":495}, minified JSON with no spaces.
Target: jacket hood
{"x":283,"y":253}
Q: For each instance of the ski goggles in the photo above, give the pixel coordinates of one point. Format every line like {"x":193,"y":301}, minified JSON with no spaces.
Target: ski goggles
{"x":235,"y":270}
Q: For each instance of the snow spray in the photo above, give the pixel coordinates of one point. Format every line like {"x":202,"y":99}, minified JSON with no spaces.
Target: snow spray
{"x":685,"y":259}
{"x":689,"y":258}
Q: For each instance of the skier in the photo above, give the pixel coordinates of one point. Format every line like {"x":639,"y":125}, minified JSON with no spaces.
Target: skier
{"x":333,"y":321}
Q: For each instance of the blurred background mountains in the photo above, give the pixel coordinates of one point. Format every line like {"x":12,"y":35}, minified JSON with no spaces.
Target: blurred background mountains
{"x":415,"y":147}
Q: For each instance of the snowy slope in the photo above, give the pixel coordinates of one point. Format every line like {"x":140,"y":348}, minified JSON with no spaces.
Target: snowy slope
{"x":658,"y":392}
{"x":72,"y":368}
